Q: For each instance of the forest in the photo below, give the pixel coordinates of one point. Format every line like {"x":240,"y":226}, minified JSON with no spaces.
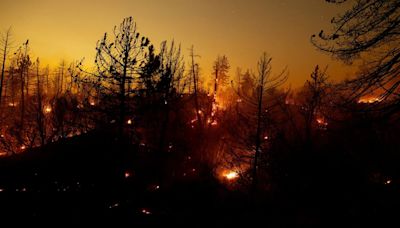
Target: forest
{"x":141,"y":137}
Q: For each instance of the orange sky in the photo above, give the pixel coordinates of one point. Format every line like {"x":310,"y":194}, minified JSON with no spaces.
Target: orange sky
{"x":240,"y":29}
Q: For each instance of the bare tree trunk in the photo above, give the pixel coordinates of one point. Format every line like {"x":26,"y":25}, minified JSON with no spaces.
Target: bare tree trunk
{"x":40,"y":115}
{"x":196,"y":101}
{"x":6,"y":44}
{"x":258,"y":133}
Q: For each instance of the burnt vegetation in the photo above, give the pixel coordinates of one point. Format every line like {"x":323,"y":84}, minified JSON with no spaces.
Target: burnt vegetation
{"x":141,"y":137}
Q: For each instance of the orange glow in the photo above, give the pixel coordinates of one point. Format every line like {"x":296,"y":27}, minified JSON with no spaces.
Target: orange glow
{"x":23,"y":147}
{"x":321,"y":121}
{"x":127,"y":174}
{"x":129,"y":122}
{"x":369,"y":100}
{"x":231,"y":175}
{"x":47,"y":109}
{"x":52,"y":27}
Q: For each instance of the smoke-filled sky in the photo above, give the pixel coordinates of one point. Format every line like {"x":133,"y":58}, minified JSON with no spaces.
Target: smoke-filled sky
{"x":239,"y":29}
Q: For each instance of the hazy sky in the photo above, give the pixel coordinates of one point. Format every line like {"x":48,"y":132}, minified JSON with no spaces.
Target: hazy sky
{"x":240,"y":29}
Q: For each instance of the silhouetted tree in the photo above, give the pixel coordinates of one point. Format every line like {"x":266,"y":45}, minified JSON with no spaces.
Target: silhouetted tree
{"x":24,"y":62}
{"x":5,"y":46}
{"x":313,"y":94}
{"x":369,"y":30}
{"x":195,"y":76}
{"x":119,"y":60}
{"x":171,"y":75}
{"x":249,"y":131}
{"x":40,"y":120}
{"x":59,"y":80}
{"x":221,"y":68}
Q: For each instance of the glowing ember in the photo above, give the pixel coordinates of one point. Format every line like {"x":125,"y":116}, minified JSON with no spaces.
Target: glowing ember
{"x":127,"y":174}
{"x":266,"y":137}
{"x":388,"y":182}
{"x":129,"y":122}
{"x":23,"y":147}
{"x":12,"y":104}
{"x":1,"y":190}
{"x":92,"y":103}
{"x":114,"y":205}
{"x":321,"y":121}
{"x":231,"y":175}
{"x":146,"y":212}
{"x":47,"y":109}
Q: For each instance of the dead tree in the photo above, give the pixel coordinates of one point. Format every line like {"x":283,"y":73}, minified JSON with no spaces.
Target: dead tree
{"x":368,"y":31}
{"x":5,"y":41}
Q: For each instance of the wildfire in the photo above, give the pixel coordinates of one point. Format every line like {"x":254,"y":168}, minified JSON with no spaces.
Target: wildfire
{"x":231,"y":175}
{"x":11,"y":104}
{"x":369,"y":100}
{"x":23,"y":147}
{"x":47,"y":109}
{"x":321,"y":121}
{"x":129,"y":122}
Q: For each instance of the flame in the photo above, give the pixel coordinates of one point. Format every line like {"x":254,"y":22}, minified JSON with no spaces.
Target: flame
{"x":47,"y":109}
{"x":231,"y":175}
{"x":369,"y":100}
{"x":321,"y":121}
{"x":129,"y":122}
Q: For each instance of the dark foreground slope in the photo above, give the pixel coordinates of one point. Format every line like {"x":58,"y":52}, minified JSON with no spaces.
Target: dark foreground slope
{"x":90,"y":180}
